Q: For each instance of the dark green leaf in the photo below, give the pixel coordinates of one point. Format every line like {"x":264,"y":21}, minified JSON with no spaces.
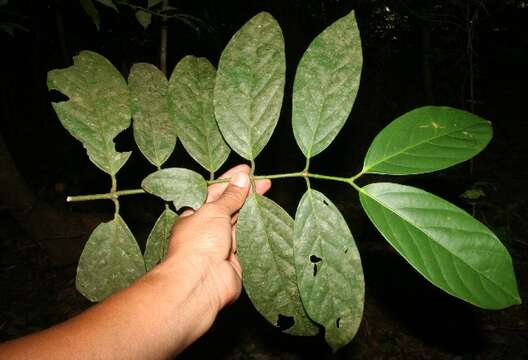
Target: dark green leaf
{"x":144,"y":18}
{"x":90,"y":10}
{"x":427,"y":139}
{"x":108,"y":3}
{"x":443,"y":243}
{"x":182,"y":186}
{"x":326,"y":85}
{"x":250,"y":85}
{"x":158,"y":239}
{"x":154,"y":131}
{"x":191,"y":89}
{"x":328,"y":267}
{"x":265,"y":250}
{"x":111,"y":260}
{"x":98,"y":107}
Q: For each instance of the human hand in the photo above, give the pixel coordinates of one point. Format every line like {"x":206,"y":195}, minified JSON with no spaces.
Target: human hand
{"x":205,"y":240}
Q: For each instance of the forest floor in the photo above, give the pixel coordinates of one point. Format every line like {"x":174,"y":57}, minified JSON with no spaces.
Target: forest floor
{"x":405,"y":317}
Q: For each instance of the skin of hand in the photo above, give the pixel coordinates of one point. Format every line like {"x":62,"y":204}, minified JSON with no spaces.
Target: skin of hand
{"x":167,"y":309}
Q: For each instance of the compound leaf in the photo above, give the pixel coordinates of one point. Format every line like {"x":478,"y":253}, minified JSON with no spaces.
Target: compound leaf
{"x":182,"y":186}
{"x":250,"y":85}
{"x":191,"y":88}
{"x":427,"y":139}
{"x":265,"y":250}
{"x":154,"y":131}
{"x":445,"y":244}
{"x":111,"y":260}
{"x":328,"y":267}
{"x":158,"y":239}
{"x":98,"y":107}
{"x":326,"y":84}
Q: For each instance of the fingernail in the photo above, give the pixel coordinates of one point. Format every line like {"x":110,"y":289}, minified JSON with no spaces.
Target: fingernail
{"x":240,"y":179}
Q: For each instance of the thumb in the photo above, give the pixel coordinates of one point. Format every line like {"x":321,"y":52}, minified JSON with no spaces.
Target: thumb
{"x":235,"y":194}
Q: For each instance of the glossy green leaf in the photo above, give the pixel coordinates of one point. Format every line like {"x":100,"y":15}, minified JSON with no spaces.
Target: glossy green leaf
{"x":250,"y":85}
{"x":182,"y":186}
{"x":98,"y":107}
{"x":111,"y":260}
{"x":191,"y":90}
{"x":265,"y":250}
{"x":90,"y":10}
{"x":108,"y":3}
{"x":154,"y":132}
{"x":158,"y":239}
{"x":326,"y":84}
{"x":328,"y":267}
{"x":443,"y":243}
{"x":427,"y":139}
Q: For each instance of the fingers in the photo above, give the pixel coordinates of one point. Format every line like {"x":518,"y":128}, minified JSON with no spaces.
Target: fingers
{"x":234,"y":194}
{"x":215,"y":191}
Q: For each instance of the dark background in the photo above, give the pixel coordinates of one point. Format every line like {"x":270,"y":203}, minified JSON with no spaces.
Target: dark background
{"x":467,"y":54}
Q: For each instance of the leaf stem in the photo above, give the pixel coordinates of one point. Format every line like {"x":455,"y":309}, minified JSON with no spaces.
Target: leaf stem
{"x":113,"y":190}
{"x":110,"y":195}
{"x":114,"y":195}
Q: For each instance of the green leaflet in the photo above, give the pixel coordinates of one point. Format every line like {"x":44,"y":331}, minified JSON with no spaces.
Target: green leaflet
{"x":326,"y":84}
{"x":158,"y":239}
{"x":191,"y":88}
{"x":98,"y":107}
{"x":144,"y":18}
{"x":328,"y":267}
{"x":154,"y":132}
{"x":152,"y":3}
{"x":90,"y":10}
{"x":182,"y":186}
{"x":427,"y":139}
{"x":250,"y":85}
{"x":111,"y":260}
{"x":108,"y":3}
{"x":443,"y":243}
{"x":265,"y":250}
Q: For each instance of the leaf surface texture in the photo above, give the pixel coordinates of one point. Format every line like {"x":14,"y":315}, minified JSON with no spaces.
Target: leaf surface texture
{"x":328,"y":266}
{"x":265,"y":250}
{"x":250,"y":85}
{"x":445,"y":244}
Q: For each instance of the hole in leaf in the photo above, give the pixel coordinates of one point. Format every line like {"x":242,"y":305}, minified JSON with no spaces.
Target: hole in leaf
{"x":285,"y":322}
{"x":337,"y":322}
{"x":325,"y":202}
{"x":315,"y":270}
{"x":346,"y":250}
{"x":315,"y":259}
{"x":56,"y":96}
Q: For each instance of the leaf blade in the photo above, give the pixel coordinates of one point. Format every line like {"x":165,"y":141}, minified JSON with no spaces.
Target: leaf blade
{"x":182,"y":186}
{"x":191,"y":88}
{"x":98,"y":108}
{"x":158,"y":239}
{"x":250,"y":85}
{"x":427,"y":139}
{"x":265,"y":251}
{"x":154,"y":131}
{"x":443,"y":243}
{"x":110,"y":261}
{"x":328,"y":267}
{"x":326,"y":85}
